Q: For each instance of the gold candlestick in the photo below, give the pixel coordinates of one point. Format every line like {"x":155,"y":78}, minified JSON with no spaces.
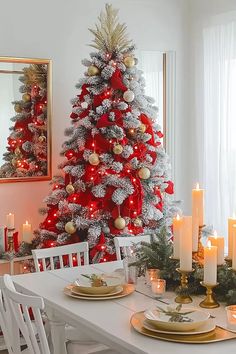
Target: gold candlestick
{"x":209,"y":302}
{"x":184,"y":298}
{"x":10,"y":247}
{"x":228,"y":262}
{"x":199,"y":255}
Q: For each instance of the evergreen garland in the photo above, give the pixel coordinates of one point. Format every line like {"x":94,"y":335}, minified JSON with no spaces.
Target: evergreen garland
{"x":157,"y":255}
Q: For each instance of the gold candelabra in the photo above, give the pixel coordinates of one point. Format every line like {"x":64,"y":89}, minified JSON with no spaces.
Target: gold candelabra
{"x":10,"y":233}
{"x":209,"y":302}
{"x":183,"y":289}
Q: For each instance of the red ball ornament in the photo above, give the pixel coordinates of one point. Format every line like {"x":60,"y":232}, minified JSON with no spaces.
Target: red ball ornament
{"x":69,"y":154}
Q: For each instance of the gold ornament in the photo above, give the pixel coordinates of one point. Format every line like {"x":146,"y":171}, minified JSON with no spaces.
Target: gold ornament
{"x":138,"y":222}
{"x":70,"y":188}
{"x":42,"y":138}
{"x":131,"y":132}
{"x":17,"y":151}
{"x":93,"y":70}
{"x":144,"y":173}
{"x":129,"y":62}
{"x":14,"y":162}
{"x":128,"y":96}
{"x":94,"y":159}
{"x":18,"y":108}
{"x":70,"y":227}
{"x":142,"y":128}
{"x":118,"y":149}
{"x":26,"y":97}
{"x":119,"y":223}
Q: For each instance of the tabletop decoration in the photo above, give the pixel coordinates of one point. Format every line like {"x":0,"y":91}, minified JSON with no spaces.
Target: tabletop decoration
{"x":158,"y":287}
{"x":209,"y":302}
{"x":231,"y":317}
{"x":183,"y":297}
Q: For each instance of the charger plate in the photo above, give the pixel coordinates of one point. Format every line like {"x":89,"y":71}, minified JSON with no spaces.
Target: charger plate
{"x":217,"y":335}
{"x":76,"y":291}
{"x":127,"y":290}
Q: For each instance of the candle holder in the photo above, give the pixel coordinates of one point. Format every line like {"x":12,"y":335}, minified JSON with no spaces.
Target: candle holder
{"x":228,"y":262}
{"x":209,"y":302}
{"x":10,"y":233}
{"x":183,"y":289}
{"x":199,"y":255}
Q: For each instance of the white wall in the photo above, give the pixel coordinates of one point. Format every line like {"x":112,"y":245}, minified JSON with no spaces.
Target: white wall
{"x":202,"y":14}
{"x":57,"y":29}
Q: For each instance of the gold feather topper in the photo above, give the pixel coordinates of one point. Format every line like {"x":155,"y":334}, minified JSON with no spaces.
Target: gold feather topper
{"x":35,"y":74}
{"x":109,"y":34}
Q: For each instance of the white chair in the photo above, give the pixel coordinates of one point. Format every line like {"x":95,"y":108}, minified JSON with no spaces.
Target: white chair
{"x":44,"y":260}
{"x":15,"y":319}
{"x":75,"y":251}
{"x":127,"y":242}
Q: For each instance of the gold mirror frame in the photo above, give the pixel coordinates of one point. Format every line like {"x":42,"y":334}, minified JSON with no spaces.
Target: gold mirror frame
{"x":47,"y":62}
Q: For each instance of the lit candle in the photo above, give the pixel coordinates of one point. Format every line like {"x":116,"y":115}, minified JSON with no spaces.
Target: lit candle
{"x":159,"y":286}
{"x":218,"y":241}
{"x":10,"y":221}
{"x":186,"y":244}
{"x":231,"y":317}
{"x":210,"y":264}
{"x":234,"y":248}
{"x":231,"y":222}
{"x":177,"y":227}
{"x":27,"y":232}
{"x":197,"y":213}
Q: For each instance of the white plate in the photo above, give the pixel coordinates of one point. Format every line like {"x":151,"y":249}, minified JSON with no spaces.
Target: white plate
{"x":76,"y":291}
{"x":161,"y":320}
{"x":85,"y":286}
{"x":208,"y":326}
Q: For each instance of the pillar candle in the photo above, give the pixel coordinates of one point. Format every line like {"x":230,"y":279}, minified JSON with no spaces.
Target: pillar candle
{"x":10,"y":221}
{"x":197,"y":213}
{"x":210,"y":264}
{"x":234,"y":248}
{"x":218,"y":241}
{"x":27,"y":232}
{"x":186,"y":244}
{"x":177,"y":229}
{"x":231,"y":222}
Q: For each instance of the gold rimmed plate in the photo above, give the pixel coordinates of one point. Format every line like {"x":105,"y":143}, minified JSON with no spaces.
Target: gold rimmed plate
{"x":127,"y":290}
{"x":217,"y":335}
{"x":76,"y":291}
{"x":205,"y":328}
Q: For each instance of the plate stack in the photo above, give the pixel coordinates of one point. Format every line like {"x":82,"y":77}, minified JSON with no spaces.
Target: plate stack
{"x":110,"y":287}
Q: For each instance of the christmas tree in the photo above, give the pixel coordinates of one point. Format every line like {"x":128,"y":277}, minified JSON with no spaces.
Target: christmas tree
{"x":115,"y":178}
{"x":27,"y":143}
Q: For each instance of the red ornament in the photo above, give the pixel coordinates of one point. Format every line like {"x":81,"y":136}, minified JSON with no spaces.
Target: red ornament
{"x":116,"y":81}
{"x":170,"y":188}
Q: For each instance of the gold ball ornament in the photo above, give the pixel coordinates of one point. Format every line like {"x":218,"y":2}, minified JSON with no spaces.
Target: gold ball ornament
{"x":42,"y":138}
{"x":144,"y":173}
{"x":129,"y":62}
{"x":17,"y":151}
{"x":70,"y":188}
{"x":94,"y":159}
{"x":142,"y":128}
{"x":26,"y":97}
{"x":119,"y":223}
{"x":93,"y":70}
{"x":128,"y":96}
{"x":131,"y":132}
{"x":18,"y":108}
{"x":138,"y":222}
{"x":70,"y":227}
{"x":118,"y":149}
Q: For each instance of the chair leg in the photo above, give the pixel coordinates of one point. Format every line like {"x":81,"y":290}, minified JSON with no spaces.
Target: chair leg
{"x":57,"y":334}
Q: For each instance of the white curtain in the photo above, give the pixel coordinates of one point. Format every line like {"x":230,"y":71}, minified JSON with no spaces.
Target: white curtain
{"x":219,"y":170}
{"x":151,"y":63}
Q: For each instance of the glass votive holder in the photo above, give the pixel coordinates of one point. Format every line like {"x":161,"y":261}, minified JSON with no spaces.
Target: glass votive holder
{"x":130,"y":271}
{"x":158,"y":287}
{"x":231,"y":317}
{"x":152,"y":274}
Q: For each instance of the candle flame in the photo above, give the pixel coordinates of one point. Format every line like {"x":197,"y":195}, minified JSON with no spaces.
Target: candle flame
{"x":197,"y":185}
{"x":27,"y":222}
{"x":209,"y":244}
{"x":178,"y":217}
{"x":215,"y":234}
{"x":234,"y":215}
{"x":10,"y":214}
{"x":234,"y":225}
{"x":234,"y":316}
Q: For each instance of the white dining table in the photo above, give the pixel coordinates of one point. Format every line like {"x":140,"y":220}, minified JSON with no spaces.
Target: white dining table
{"x":106,"y":321}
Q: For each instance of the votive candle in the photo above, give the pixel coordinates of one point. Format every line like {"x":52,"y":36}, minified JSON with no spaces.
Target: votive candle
{"x":159,"y":286}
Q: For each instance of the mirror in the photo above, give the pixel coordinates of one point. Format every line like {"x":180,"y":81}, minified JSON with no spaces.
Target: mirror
{"x":25,"y":114}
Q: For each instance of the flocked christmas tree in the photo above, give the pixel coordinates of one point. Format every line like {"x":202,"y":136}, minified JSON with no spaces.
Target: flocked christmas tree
{"x":115,"y":178}
{"x":26,"y":153}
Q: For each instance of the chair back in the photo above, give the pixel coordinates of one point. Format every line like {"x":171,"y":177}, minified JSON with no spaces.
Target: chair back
{"x":16,"y":307}
{"x":44,"y":258}
{"x":127,"y":242}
